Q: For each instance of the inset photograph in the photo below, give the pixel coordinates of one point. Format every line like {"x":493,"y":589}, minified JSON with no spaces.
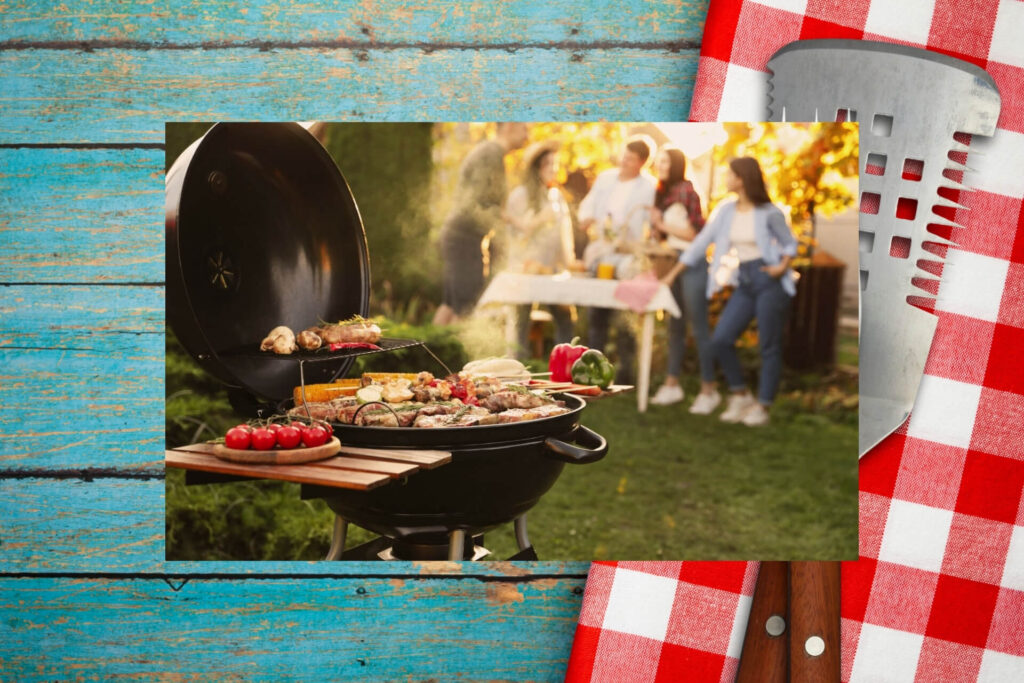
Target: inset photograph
{"x":511,"y":341}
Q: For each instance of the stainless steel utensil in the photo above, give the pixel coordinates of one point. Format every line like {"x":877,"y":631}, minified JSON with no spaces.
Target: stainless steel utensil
{"x":909,"y":103}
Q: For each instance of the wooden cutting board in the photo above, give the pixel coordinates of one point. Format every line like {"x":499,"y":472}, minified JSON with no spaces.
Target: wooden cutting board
{"x":277,"y":456}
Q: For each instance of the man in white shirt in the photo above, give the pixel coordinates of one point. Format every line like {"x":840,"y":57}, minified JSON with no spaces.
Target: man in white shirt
{"x":620,"y":198}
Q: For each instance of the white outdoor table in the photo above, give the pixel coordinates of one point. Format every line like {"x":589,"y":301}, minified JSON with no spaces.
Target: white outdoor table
{"x":516,"y":289}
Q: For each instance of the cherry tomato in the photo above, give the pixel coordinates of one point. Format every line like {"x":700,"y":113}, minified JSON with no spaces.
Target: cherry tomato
{"x":247,"y":428}
{"x":459,"y":391}
{"x":273,"y":426}
{"x":237,"y":438}
{"x":326,"y":426}
{"x":314,"y":436}
{"x":263,"y":439}
{"x":471,"y":401}
{"x":288,"y":437}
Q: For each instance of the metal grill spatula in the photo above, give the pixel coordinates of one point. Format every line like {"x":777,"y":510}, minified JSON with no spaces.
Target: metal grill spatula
{"x":909,"y":103}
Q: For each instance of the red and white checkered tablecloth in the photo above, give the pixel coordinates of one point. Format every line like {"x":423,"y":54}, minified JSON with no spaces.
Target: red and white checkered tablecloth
{"x":938,"y":592}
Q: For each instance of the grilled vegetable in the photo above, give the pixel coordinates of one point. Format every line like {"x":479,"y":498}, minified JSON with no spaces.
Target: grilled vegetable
{"x":594,"y":369}
{"x":321,"y":393}
{"x":562,"y":358}
{"x":370,"y":394}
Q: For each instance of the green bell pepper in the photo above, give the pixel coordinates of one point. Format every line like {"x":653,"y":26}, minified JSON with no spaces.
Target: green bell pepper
{"x":594,"y":369}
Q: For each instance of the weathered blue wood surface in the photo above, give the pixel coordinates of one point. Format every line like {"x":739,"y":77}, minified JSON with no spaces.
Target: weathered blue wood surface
{"x":429,"y":24}
{"x":81,"y":215}
{"x":126,"y":95}
{"x":361,"y":629}
{"x":82,"y":576}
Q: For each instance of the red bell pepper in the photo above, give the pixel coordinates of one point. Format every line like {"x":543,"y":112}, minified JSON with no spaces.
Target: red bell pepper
{"x":561,"y":360}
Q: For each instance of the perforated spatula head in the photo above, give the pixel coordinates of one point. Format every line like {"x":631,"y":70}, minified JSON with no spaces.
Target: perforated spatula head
{"x":909,"y":103}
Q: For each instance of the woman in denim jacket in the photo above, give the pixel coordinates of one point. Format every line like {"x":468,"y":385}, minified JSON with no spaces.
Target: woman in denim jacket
{"x":753,"y":231}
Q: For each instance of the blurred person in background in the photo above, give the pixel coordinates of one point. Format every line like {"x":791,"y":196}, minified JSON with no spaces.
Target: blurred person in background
{"x":752,"y":231}
{"x":540,"y":238}
{"x":617,"y":208}
{"x":676,"y":219}
{"x":477,"y":213}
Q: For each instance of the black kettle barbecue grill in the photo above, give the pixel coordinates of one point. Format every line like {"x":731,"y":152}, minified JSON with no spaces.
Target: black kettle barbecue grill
{"x":262,"y":230}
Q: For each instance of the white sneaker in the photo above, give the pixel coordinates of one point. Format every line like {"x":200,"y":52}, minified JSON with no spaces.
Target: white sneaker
{"x":756,"y":416}
{"x":705,"y":404}
{"x":667,"y":395}
{"x":737,"y":407}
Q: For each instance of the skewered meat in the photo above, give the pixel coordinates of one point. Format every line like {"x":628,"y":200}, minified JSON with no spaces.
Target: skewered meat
{"x":441,"y":391}
{"x":485,"y":386}
{"x":468,"y":416}
{"x":360,"y":332}
{"x":328,"y":411}
{"x":444,"y":408}
{"x":403,"y":416}
{"x":504,"y":400}
{"x":521,"y":414}
{"x":280,"y":340}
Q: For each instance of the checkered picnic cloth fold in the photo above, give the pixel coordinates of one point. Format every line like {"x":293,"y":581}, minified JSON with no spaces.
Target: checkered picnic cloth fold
{"x":938,"y":591}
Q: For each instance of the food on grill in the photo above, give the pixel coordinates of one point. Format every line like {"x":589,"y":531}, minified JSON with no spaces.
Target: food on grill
{"x":372,"y":393}
{"x":342,"y":346}
{"x":472,"y":416}
{"x":397,"y":391}
{"x":321,"y":393}
{"x":309,"y":340}
{"x":280,"y":340}
{"x":382,"y":377}
{"x":357,"y":330}
{"x":485,"y":386}
{"x":521,"y":414}
{"x":357,"y":333}
{"x":421,"y":400}
{"x":505,"y":400}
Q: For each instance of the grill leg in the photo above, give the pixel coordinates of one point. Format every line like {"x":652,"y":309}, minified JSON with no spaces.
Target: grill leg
{"x":337,"y":539}
{"x":522,"y":540}
{"x":456,"y":545}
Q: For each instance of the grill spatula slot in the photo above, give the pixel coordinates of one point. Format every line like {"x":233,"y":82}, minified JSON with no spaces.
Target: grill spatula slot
{"x":917,"y":110}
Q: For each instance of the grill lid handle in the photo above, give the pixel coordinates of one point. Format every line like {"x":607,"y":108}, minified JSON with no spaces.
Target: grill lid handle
{"x":592,"y":447}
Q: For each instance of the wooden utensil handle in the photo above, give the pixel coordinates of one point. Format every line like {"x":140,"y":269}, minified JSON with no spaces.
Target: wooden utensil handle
{"x":765,"y":646}
{"x":814,"y":617}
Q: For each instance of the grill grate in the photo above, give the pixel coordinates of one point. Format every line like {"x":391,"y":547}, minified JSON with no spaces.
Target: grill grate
{"x":321,"y":354}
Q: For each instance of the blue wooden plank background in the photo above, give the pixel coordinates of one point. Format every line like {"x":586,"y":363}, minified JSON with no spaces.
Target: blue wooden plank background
{"x":85,"y":89}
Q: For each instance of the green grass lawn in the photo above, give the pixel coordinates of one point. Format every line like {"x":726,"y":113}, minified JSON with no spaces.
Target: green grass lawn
{"x":679,"y":486}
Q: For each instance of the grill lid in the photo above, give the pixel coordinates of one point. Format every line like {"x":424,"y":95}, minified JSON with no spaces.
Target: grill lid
{"x":261,"y":230}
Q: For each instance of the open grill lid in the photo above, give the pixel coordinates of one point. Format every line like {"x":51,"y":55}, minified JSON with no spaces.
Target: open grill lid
{"x":262,"y":230}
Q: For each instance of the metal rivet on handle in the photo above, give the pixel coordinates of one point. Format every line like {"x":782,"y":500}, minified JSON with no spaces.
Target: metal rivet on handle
{"x":814,"y":646}
{"x":775,"y":625}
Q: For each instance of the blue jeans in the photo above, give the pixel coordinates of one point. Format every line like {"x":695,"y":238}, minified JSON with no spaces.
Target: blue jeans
{"x":690,"y":293}
{"x":758,"y":295}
